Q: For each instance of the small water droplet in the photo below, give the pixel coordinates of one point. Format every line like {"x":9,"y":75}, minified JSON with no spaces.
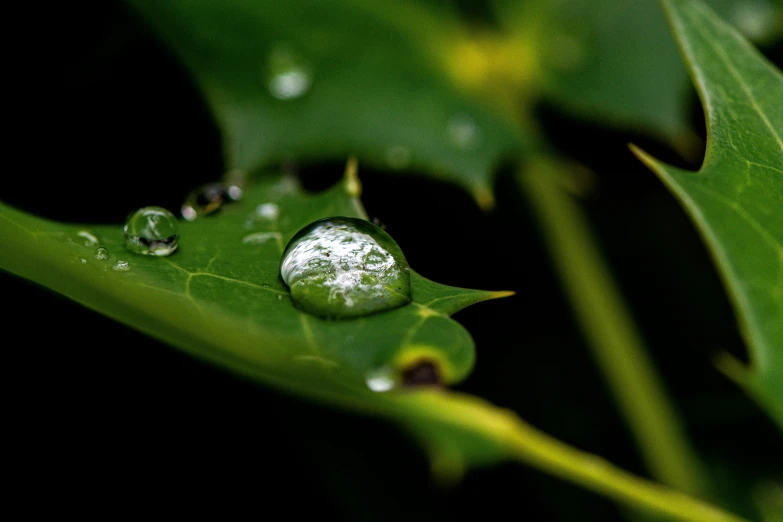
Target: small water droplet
{"x":279,"y":297}
{"x":463,"y":131}
{"x":87,"y":238}
{"x":101,"y":254}
{"x":82,"y":261}
{"x":263,"y":213}
{"x":288,"y":75}
{"x":380,"y":380}
{"x":151,"y":231}
{"x":343,"y":267}
{"x":208,"y":199}
{"x":121,"y":266}
{"x":398,"y":157}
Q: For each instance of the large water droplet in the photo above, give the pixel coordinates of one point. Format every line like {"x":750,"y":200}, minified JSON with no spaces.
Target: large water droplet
{"x":151,"y":231}
{"x":463,"y":131}
{"x":209,"y":198}
{"x":343,"y":267}
{"x":288,"y":75}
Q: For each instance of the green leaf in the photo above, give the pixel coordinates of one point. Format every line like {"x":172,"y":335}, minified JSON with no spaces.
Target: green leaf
{"x":614,"y":59}
{"x":360,"y":57}
{"x":219,"y":298}
{"x":222,"y":288}
{"x":737,"y":197}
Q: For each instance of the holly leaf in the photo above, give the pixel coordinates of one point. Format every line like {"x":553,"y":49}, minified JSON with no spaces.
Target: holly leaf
{"x":322,"y":80}
{"x":614,"y":60}
{"x":736,"y":199}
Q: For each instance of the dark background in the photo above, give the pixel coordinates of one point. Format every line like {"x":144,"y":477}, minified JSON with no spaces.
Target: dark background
{"x":102,"y":420}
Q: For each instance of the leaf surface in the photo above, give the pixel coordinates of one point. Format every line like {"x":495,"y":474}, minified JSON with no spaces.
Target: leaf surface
{"x":736,"y":199}
{"x":614,"y":60}
{"x":379,"y":85}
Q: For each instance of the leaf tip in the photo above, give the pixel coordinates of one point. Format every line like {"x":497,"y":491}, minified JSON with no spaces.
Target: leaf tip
{"x":351,"y":177}
{"x":484,"y":198}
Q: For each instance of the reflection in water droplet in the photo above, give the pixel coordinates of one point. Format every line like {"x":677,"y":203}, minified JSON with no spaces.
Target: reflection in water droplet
{"x":209,"y":198}
{"x":87,"y":238}
{"x":151,"y":231}
{"x":398,"y":157}
{"x":101,"y":254}
{"x":342,"y":267}
{"x":260,"y":238}
{"x":463,"y":131}
{"x":380,"y":380}
{"x":121,"y":266}
{"x":288,"y":75}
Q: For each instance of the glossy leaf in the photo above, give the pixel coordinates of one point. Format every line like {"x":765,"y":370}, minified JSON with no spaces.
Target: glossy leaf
{"x":354,"y":60}
{"x":615,"y":60}
{"x":219,"y":298}
{"x":736,"y":199}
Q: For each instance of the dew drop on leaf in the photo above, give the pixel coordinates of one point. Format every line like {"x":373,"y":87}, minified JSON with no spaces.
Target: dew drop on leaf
{"x":380,"y":380}
{"x":87,"y":238}
{"x":209,"y":198}
{"x":287,"y":75}
{"x":101,"y":254}
{"x":121,"y":266}
{"x":151,"y":231}
{"x":342,"y":267}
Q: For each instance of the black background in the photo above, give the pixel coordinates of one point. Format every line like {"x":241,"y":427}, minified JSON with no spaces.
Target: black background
{"x":101,"y":419}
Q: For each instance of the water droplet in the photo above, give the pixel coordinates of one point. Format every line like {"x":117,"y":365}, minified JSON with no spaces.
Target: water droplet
{"x":398,"y":157}
{"x":380,"y":380}
{"x":463,"y":131}
{"x":121,"y":266}
{"x":343,"y":267}
{"x":209,"y":198}
{"x":87,"y":238}
{"x":151,"y":231}
{"x":101,"y":254}
{"x":279,"y":297}
{"x":288,"y":75}
{"x":82,"y":261}
{"x":266,"y":212}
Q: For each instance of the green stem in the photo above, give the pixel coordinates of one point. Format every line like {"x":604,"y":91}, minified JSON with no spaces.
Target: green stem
{"x":537,"y":449}
{"x":610,"y":330}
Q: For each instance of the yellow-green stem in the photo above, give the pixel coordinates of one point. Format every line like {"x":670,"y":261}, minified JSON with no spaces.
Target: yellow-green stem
{"x":610,"y":330}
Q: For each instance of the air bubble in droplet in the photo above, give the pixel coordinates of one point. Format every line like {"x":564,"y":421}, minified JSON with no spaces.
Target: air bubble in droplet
{"x":151,"y":231}
{"x":380,"y":380}
{"x":463,"y":131}
{"x":342,"y":267}
{"x":101,"y":254}
{"x":208,"y":199}
{"x":121,"y":266}
{"x":288,"y":75}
